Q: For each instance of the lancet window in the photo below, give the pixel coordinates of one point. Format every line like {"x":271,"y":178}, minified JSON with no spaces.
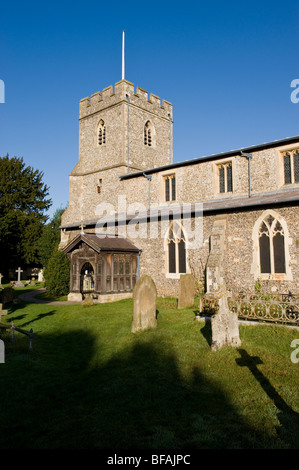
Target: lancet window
{"x":176,"y":249}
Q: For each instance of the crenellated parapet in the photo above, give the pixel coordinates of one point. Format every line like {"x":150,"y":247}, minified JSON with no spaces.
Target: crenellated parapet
{"x":124,"y":91}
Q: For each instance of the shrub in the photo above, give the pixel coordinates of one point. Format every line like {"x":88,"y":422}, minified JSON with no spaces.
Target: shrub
{"x":57,"y":274}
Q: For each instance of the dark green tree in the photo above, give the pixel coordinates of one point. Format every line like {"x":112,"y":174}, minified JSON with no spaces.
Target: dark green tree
{"x":50,"y":237}
{"x":57,"y":273}
{"x":23,"y":202}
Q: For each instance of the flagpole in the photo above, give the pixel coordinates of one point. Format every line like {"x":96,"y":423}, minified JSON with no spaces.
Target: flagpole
{"x":123,"y":56}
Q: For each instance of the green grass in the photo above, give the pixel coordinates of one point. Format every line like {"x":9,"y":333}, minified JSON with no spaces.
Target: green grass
{"x":90,"y":383}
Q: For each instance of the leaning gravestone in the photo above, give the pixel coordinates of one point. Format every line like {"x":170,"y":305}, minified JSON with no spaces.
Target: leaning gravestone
{"x":145,"y":300}
{"x":187,"y":291}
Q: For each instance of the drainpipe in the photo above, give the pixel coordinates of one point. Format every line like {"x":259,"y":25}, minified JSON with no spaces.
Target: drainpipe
{"x":249,"y":157}
{"x":128,"y":162}
{"x":138,"y":264}
{"x":149,"y":178}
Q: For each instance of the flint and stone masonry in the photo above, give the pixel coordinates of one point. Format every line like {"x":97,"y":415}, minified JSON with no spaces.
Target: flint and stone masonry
{"x":126,"y":167}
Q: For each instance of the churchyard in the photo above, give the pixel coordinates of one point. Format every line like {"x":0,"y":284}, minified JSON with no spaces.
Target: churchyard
{"x":89,"y":382}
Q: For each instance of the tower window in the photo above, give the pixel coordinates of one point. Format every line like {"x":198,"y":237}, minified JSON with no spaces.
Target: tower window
{"x":101,"y":133}
{"x":225,"y":172}
{"x":148,"y":134}
{"x":291,"y":167}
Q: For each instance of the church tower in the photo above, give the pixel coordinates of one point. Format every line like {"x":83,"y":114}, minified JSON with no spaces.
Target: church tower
{"x":120,"y":131}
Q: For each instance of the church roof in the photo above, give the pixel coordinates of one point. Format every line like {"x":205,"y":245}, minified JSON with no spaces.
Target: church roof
{"x":270,"y":198}
{"x":101,"y":243}
{"x":254,"y":148}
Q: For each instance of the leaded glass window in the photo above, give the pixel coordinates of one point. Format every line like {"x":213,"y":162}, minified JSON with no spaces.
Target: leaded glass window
{"x":225,"y":172}
{"x":176,"y":250}
{"x":101,"y":133}
{"x":148,"y":134}
{"x":291,"y":166}
{"x":170,"y":188}
{"x":272,"y":247}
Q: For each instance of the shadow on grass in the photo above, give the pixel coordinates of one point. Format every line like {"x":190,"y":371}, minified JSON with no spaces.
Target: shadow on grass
{"x":288,"y":418}
{"x":66,"y":394}
{"x":206,"y":331}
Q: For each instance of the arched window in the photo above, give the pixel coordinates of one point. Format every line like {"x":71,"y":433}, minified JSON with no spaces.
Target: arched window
{"x":148,"y":134}
{"x":101,"y":133}
{"x":272,"y":246}
{"x":176,"y":249}
{"x":271,"y":240}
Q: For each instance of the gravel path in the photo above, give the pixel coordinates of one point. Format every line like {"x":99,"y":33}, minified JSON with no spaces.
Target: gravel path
{"x":31,"y":297}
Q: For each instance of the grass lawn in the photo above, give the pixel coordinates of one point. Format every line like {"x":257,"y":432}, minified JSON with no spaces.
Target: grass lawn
{"x":90,"y":383}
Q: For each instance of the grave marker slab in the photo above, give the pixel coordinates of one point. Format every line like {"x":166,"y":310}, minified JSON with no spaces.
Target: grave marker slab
{"x":145,"y":300}
{"x":187,"y":291}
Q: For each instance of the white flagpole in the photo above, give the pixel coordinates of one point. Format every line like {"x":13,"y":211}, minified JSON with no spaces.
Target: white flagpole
{"x":123,"y":56}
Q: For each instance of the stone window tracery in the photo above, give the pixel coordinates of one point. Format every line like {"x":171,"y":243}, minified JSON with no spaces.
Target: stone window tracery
{"x":272,"y":246}
{"x":170,"y":189}
{"x":225,"y":173}
{"x":176,"y":249}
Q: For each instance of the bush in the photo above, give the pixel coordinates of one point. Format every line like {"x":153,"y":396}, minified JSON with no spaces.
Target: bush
{"x":57,"y":274}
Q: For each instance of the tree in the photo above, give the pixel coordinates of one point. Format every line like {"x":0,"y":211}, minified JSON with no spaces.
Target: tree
{"x":57,"y":273}
{"x":50,"y":237}
{"x":23,"y":202}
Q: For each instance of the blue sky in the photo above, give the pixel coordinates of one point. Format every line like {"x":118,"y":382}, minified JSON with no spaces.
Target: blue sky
{"x":225,"y":66}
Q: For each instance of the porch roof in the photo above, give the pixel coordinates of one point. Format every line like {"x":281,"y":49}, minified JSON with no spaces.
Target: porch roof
{"x":101,"y":243}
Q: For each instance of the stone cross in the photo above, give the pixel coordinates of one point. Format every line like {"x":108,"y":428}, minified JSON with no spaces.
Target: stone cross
{"x":19,"y":283}
{"x":81,"y":226}
{"x":19,"y":271}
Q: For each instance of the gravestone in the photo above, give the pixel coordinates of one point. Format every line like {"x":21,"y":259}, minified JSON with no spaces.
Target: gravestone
{"x":145,"y":300}
{"x":225,"y":327}
{"x":187,"y":291}
{"x":1,"y":277}
{"x":19,"y":283}
{"x":2,"y":312}
{"x":6,"y":295}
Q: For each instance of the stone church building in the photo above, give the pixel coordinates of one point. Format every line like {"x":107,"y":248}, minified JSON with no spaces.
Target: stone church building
{"x":132,"y":211}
